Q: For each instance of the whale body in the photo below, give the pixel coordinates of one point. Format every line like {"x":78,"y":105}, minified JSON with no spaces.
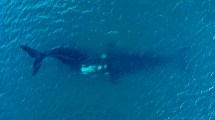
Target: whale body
{"x":112,"y":64}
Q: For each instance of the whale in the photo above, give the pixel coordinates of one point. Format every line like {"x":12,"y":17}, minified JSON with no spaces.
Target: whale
{"x":112,"y":63}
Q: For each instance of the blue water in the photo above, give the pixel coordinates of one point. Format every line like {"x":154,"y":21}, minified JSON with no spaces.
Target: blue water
{"x":56,"y":93}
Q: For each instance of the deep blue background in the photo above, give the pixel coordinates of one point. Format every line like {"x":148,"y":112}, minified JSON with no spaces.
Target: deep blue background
{"x":162,"y":27}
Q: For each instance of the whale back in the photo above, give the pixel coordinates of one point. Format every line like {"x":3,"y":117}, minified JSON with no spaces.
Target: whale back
{"x":68,"y":56}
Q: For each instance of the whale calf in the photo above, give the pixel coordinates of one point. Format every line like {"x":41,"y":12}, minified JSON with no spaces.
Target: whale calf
{"x":112,"y":63}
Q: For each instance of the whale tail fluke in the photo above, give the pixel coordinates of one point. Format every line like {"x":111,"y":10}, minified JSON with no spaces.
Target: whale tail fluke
{"x":35,"y":54}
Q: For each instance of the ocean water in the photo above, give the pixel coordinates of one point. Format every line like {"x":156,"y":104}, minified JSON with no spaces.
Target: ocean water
{"x":168,"y":92}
